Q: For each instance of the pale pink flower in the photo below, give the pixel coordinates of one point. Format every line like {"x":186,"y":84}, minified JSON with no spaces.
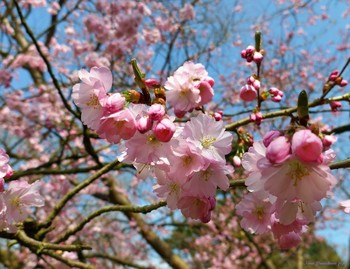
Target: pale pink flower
{"x":19,"y":198}
{"x":250,"y":160}
{"x":153,"y":150}
{"x":117,"y":126}
{"x":196,"y":207}
{"x":89,"y":93}
{"x":306,"y":146}
{"x":181,"y":94}
{"x":288,"y":236}
{"x":287,"y":212}
{"x":206,"y":181}
{"x":209,"y":136}
{"x":187,"y":12}
{"x":5,"y":168}
{"x":170,"y":189}
{"x":186,"y":161}
{"x":255,"y":209}
{"x":295,"y":179}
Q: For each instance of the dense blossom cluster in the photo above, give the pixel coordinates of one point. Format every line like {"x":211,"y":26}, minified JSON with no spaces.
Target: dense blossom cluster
{"x":188,"y":159}
{"x":17,"y":200}
{"x":288,"y":175}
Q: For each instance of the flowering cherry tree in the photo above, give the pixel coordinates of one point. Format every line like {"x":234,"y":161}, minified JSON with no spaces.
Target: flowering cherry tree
{"x":125,"y":145}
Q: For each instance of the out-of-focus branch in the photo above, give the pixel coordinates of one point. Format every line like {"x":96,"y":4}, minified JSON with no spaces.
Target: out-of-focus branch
{"x":162,"y":248}
{"x":58,"y":207}
{"x":43,"y":56}
{"x":121,"y":208}
{"x":69,"y":262}
{"x":116,"y":260}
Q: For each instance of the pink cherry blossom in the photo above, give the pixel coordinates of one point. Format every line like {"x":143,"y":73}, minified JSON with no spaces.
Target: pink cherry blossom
{"x":117,"y":126}
{"x":205,"y":181}
{"x":19,"y":197}
{"x":89,"y":93}
{"x":255,"y":209}
{"x":209,"y":136}
{"x":196,"y":207}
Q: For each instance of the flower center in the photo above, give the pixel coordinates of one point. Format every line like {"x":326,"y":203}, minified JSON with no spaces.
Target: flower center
{"x":15,"y":201}
{"x":207,"y":141}
{"x":186,"y":160}
{"x":206,"y":174}
{"x":259,"y":212}
{"x":297,"y":171}
{"x":174,"y":188}
{"x":93,"y":101}
{"x":152,"y":139}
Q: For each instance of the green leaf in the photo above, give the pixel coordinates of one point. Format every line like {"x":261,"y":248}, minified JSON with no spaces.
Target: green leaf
{"x":303,"y":108}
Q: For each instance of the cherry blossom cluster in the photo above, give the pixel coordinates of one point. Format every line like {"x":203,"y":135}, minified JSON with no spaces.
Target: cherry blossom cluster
{"x":251,"y":55}
{"x":16,"y":201}
{"x":288,"y":176}
{"x":187,"y":159}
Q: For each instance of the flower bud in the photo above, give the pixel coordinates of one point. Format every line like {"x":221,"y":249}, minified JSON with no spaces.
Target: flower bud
{"x":278,"y":150}
{"x":269,"y":136}
{"x":335,"y":105}
{"x":236,"y":161}
{"x":156,"y":112}
{"x":152,"y":83}
{"x":164,"y":130}
{"x":144,"y":124}
{"x":248,"y":93}
{"x":258,"y":57}
{"x":343,"y":83}
{"x":306,"y":146}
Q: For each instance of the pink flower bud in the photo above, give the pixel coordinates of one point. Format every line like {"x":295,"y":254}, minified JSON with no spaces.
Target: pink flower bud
{"x":156,"y":112}
{"x":152,"y":83}
{"x":212,"y":203}
{"x":210,"y":80}
{"x":112,"y":103}
{"x":274,"y":91}
{"x":276,"y":99}
{"x":278,"y":150}
{"x":328,"y":140}
{"x":248,"y":93}
{"x":269,"y":136}
{"x":307,"y":146}
{"x":258,"y":57}
{"x":236,"y":161}
{"x":164,"y":130}
{"x":218,"y":116}
{"x":343,"y":83}
{"x":333,"y":76}
{"x":335,"y":105}
{"x":250,"y":49}
{"x":144,"y":124}
{"x":256,"y":84}
{"x":243,"y":54}
{"x":206,"y":92}
{"x":250,"y":80}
